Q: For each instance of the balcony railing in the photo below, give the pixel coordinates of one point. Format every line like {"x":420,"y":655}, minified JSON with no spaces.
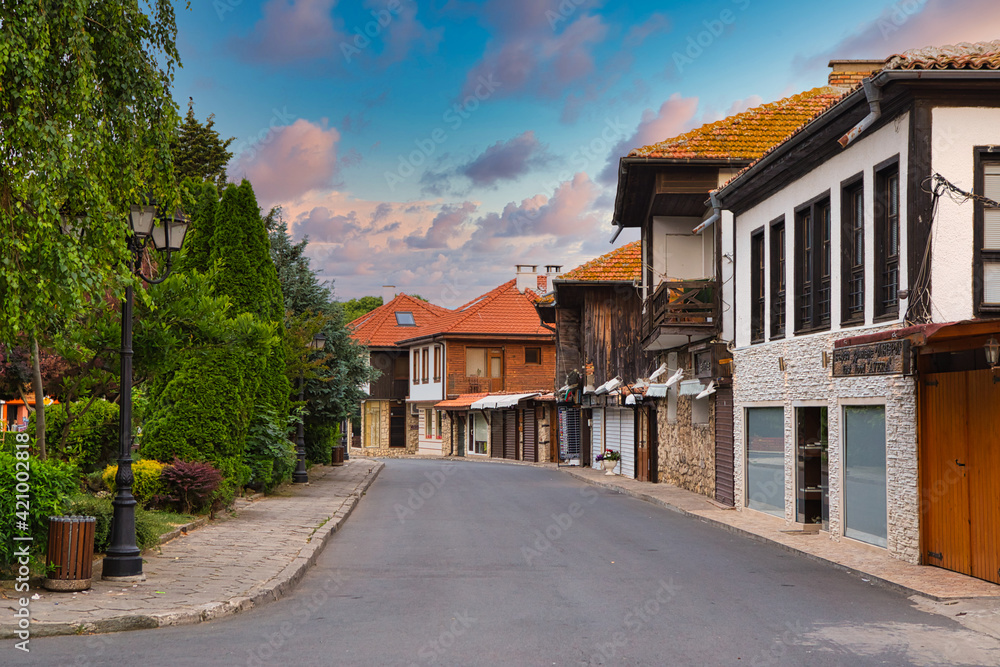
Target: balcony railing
{"x":478,"y":384}
{"x":682,"y":307}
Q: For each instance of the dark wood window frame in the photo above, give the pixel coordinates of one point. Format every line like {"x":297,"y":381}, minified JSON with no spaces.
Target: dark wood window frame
{"x":778,"y":278}
{"x":852,"y":251}
{"x":533,"y":355}
{"x":887,"y":249}
{"x":416,"y":365}
{"x":437,"y":363}
{"x":812,"y":264}
{"x":758,"y":305}
{"x":424,"y":363}
{"x":983,"y":155}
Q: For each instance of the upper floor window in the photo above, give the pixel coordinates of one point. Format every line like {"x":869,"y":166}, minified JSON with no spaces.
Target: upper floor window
{"x":812,"y":266}
{"x":532,"y":355}
{"x":887,"y":242}
{"x":424,"y":365}
{"x":757,"y":302}
{"x":416,"y":366}
{"x":399,"y":367}
{"x":852,"y":242}
{"x":987,"y":235}
{"x":778,"y":279}
{"x":404,"y":318}
{"x":437,"y":363}
{"x":484,"y":362}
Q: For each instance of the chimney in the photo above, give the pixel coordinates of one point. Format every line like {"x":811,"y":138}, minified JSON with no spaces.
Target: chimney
{"x":849,"y":73}
{"x":388,"y":293}
{"x":553,"y":271}
{"x":526,"y":277}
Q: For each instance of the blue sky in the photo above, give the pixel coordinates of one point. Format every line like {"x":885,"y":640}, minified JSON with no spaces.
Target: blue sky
{"x":434,"y":145}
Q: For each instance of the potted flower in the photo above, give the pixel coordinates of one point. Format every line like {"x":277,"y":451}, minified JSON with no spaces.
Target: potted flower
{"x":609,"y":459}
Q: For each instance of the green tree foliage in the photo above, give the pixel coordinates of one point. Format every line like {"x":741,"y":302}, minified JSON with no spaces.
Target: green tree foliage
{"x":87,"y":119}
{"x":89,"y":440}
{"x":201,"y":208}
{"x":355,"y":308}
{"x":199,"y":152}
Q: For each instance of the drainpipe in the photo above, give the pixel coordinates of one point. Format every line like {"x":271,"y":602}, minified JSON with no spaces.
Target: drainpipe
{"x":874,"y":94}
{"x":716,"y":214}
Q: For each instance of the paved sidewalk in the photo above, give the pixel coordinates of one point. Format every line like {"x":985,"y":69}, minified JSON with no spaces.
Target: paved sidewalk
{"x":223,"y":568}
{"x":871,"y":563}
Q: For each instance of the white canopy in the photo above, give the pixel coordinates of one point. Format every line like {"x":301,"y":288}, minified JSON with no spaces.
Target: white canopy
{"x":500,"y":401}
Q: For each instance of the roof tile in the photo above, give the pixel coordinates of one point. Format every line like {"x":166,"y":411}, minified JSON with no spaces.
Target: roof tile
{"x":379,"y":328}
{"x":624,"y":263}
{"x":964,"y":55}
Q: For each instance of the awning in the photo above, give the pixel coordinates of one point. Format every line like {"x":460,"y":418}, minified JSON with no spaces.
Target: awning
{"x":500,"y":401}
{"x":656,"y":391}
{"x":461,"y":403}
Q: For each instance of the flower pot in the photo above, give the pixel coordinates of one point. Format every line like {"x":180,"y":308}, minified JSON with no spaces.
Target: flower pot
{"x":609,"y":466}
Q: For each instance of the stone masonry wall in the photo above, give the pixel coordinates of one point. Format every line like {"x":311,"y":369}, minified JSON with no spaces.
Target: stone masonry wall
{"x":758,"y":381}
{"x":686,"y":450}
{"x":383,"y":449}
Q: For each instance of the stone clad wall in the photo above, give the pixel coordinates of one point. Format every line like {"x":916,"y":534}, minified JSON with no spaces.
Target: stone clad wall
{"x":758,"y":381}
{"x":686,"y":451}
{"x":384,"y":450}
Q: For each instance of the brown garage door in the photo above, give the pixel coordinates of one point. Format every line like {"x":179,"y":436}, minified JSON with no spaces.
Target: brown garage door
{"x":510,"y":434}
{"x":496,"y":435}
{"x":530,"y":435}
{"x":724,"y":485}
{"x":960,"y":472}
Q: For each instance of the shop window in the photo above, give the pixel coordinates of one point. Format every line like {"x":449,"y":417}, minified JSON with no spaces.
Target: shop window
{"x":428,"y":423}
{"x":864,"y":474}
{"x":812,"y":497}
{"x":765,"y":460}
{"x":439,"y":416}
{"x":479,"y":434}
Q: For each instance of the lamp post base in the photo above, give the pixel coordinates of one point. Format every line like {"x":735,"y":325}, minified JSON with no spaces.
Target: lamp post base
{"x":122,"y":568}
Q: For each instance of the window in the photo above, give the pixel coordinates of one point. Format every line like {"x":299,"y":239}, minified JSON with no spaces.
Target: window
{"x":852,"y":243}
{"x":475,"y":361}
{"x":778,"y":279}
{"x":399,"y":368}
{"x":437,"y":363}
{"x":757,"y":301}
{"x":700,"y":412}
{"x":424,"y":362}
{"x":496,"y":363}
{"x":987,"y":260}
{"x":765,"y":456}
{"x":428,"y":423}
{"x":405,"y":319}
{"x":865,"y":474}
{"x":439,"y":417}
{"x":479,"y":432}
{"x":887,"y":242}
{"x":416,"y":366}
{"x":812,"y":266}
{"x":532,"y":355}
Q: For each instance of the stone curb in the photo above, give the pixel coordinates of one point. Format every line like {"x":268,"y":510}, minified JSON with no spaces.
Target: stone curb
{"x":270,"y":591}
{"x":872,"y":578}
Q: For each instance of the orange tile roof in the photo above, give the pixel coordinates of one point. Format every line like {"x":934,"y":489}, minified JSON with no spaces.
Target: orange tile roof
{"x":747,"y":135}
{"x":463,"y":401}
{"x":965,"y":55}
{"x":379,"y":329}
{"x":501,"y":311}
{"x":624,"y":263}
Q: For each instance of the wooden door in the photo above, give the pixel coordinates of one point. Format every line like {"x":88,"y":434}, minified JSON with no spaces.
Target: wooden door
{"x":724,"y":466}
{"x":984,"y":474}
{"x":944,"y":483}
{"x":397,"y":426}
{"x":642,"y":445}
{"x":530,"y":435}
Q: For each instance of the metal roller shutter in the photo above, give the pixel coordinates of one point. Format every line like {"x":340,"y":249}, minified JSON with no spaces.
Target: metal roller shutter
{"x":496,"y":435}
{"x":530,"y":435}
{"x":597,"y":437}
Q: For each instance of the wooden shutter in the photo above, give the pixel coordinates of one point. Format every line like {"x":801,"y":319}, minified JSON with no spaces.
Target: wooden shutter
{"x":724,"y":467}
{"x":510,"y":434}
{"x":496,"y":435}
{"x":530,"y":435}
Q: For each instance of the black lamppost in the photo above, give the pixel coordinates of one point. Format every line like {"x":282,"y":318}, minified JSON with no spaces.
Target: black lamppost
{"x":123,"y":561}
{"x":300,"y":476}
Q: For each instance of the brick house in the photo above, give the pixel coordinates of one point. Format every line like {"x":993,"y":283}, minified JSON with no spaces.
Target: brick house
{"x":867,"y":392}
{"x":481,"y":375}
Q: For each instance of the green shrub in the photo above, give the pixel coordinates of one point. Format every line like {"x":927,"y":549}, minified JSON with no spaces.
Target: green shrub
{"x":147,"y":483}
{"x":50,"y":484}
{"x":146,"y":533}
{"x":320,"y":440}
{"x":270,"y":455}
{"x":191,"y":487}
{"x":92,"y":441}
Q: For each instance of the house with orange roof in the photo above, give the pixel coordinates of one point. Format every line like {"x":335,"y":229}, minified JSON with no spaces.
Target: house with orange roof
{"x":596,"y":310}
{"x":686,"y":287}
{"x":481,"y":376}
{"x":388,"y":428}
{"x":865,"y":315}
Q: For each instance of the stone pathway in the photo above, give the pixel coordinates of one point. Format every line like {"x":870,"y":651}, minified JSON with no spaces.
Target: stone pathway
{"x":227,"y":566}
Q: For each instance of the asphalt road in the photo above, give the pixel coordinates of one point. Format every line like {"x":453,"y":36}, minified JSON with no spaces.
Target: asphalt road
{"x":459,"y":563}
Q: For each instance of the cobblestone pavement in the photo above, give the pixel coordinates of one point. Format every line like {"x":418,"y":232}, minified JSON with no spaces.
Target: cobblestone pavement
{"x":225,"y":567}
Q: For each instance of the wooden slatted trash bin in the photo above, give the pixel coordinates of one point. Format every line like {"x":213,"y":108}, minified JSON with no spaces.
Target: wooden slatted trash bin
{"x":338,"y":456}
{"x":70,"y":561}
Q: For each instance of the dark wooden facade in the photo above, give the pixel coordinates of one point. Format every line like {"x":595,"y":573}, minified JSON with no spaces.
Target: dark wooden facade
{"x":394,"y":381}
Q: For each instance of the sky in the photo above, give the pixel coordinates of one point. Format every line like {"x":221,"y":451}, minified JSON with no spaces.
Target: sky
{"x":435,"y":144}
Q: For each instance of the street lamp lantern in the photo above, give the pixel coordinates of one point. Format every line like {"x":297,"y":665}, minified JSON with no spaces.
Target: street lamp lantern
{"x":123,"y":561}
{"x":318,"y":342}
{"x":992,"y":352}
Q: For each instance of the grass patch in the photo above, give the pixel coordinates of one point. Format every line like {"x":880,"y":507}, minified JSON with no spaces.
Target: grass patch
{"x":164,"y":522}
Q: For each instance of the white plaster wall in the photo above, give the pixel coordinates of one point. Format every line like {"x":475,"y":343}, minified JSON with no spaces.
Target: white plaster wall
{"x":432,"y":391}
{"x":682,"y":226}
{"x":868,"y":151}
{"x":757,"y":381}
{"x":728,"y":284}
{"x":956,"y":131}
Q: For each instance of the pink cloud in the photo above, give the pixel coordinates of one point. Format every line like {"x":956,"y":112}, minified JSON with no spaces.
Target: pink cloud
{"x":291,"y":161}
{"x":638,"y":34}
{"x":291,"y":31}
{"x":674,"y":117}
{"x":405,"y":33}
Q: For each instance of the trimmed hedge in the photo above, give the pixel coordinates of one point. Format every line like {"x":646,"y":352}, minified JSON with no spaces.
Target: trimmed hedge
{"x":147,"y":483}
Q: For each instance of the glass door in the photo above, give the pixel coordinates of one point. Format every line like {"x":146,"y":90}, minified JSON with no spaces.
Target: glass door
{"x":478,"y":433}
{"x":812,"y":494}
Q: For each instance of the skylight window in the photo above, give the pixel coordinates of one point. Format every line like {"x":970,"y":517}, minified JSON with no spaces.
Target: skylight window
{"x":404,"y":318}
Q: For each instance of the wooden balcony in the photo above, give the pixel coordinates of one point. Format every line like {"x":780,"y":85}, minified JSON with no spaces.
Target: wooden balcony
{"x":478,"y":384}
{"x":679,"y":312}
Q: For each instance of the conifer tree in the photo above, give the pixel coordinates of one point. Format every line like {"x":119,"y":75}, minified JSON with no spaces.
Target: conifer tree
{"x":199,"y":152}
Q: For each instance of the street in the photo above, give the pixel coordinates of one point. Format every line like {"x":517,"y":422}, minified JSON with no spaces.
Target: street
{"x":459,"y":563}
